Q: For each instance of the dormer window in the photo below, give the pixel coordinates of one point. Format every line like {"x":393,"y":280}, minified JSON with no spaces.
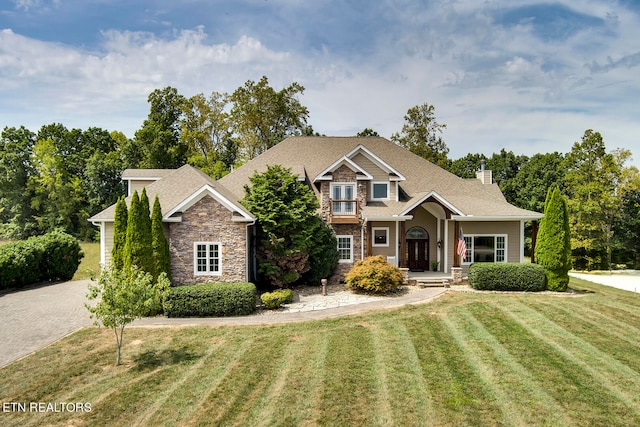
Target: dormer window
{"x":380,"y":191}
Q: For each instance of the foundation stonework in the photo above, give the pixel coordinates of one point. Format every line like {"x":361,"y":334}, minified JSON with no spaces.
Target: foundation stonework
{"x":208,"y":221}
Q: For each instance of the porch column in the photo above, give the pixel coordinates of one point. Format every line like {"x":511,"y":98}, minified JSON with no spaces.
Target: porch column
{"x":369,"y":238}
{"x":534,"y":237}
{"x":403,"y":245}
{"x":456,"y":236}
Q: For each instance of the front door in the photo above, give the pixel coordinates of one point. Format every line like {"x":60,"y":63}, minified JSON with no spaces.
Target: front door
{"x":418,"y":254}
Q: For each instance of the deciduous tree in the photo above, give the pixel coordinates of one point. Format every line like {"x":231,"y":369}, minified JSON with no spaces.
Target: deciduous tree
{"x":124,"y":295}
{"x":421,"y":134}
{"x":262,"y":116}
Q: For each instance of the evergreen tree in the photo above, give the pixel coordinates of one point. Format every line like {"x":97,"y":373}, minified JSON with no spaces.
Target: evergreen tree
{"x":138,"y":244}
{"x":119,"y":234}
{"x":291,"y":237}
{"x":553,"y":248}
{"x":159,"y":245}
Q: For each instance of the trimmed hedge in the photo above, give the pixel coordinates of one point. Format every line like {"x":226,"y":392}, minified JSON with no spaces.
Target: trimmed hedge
{"x":211,"y":300}
{"x":507,"y":277}
{"x":273,"y":300}
{"x":53,"y":256}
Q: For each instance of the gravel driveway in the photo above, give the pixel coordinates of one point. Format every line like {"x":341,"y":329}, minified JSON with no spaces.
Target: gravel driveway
{"x":37,"y":316}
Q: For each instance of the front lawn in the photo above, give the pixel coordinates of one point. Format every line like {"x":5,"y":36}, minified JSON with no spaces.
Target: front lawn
{"x":463,"y":359}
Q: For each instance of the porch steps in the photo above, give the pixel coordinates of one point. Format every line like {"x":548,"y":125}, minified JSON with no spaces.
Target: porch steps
{"x":434,"y":282}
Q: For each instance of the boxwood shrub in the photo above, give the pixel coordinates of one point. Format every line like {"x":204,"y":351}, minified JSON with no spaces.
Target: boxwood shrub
{"x":273,"y":300}
{"x":507,"y":277}
{"x":211,"y":300}
{"x":53,"y":256}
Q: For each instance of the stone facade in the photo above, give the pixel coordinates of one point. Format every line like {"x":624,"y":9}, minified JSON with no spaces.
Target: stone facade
{"x":342,"y":174}
{"x":208,"y":221}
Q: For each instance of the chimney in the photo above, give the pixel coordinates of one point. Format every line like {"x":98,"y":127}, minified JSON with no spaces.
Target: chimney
{"x":483,"y":174}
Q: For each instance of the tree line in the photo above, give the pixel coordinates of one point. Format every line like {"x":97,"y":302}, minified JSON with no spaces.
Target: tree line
{"x":57,"y":178}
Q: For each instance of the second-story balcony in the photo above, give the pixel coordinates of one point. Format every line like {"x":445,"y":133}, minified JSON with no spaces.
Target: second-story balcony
{"x":344,"y":212}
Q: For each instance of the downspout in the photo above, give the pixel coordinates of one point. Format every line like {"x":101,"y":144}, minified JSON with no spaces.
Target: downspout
{"x":521,"y":241}
{"x":362,"y":238}
{"x":251,"y":259}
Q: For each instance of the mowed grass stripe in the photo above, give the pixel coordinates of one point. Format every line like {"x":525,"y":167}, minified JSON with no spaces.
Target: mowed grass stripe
{"x":234,"y":395}
{"x":464,"y":336}
{"x":295,"y":397}
{"x":403,"y":376}
{"x":611,"y":338}
{"x":170,"y":404}
{"x":622,"y":382}
{"x":620,"y":330}
{"x":519,"y":385}
{"x":569,"y":383}
{"x":454,"y":385}
{"x":349,"y":377}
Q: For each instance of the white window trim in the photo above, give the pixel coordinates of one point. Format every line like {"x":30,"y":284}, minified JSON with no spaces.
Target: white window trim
{"x":373,"y":237}
{"x":380,"y":198}
{"x":350,"y":237}
{"x":471,"y":249}
{"x":355,"y":197}
{"x":195,"y":259}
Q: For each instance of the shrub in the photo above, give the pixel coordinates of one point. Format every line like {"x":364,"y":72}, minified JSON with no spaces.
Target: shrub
{"x":507,"y":277}
{"x":374,"y":274}
{"x":273,"y":300}
{"x":62,"y":255}
{"x":211,"y":300}
{"x":53,"y":256}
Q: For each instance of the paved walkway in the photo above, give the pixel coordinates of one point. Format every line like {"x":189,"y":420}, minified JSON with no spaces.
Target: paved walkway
{"x":35,"y":317}
{"x":310,"y":305}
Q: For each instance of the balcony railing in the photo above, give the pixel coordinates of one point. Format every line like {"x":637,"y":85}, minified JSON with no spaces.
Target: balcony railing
{"x":344,"y":211}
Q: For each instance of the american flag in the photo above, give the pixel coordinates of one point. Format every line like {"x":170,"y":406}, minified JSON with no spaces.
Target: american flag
{"x":462,"y":246}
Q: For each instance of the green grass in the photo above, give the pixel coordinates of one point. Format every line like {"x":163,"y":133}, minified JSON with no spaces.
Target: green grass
{"x":89,"y":265}
{"x":463,"y":359}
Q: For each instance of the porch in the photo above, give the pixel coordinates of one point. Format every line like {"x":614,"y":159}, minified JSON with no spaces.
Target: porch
{"x":430,"y":278}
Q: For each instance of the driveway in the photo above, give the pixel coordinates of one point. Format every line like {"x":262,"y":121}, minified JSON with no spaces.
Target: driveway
{"x":629,"y":280}
{"x":35,"y":317}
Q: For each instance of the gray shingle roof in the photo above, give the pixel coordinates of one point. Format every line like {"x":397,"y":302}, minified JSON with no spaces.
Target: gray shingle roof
{"x":175,"y":187}
{"x":309,"y":156}
{"x":471,"y":197}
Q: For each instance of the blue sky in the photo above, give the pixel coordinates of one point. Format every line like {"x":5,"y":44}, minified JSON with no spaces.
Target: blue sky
{"x":522,"y":75}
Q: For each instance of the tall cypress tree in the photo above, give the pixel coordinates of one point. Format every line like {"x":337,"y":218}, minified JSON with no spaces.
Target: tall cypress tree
{"x":159,"y":245}
{"x":119,"y":234}
{"x":138,"y":244}
{"x":553,"y":248}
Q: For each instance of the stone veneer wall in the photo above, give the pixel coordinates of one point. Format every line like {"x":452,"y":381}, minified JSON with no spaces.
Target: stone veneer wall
{"x":344,"y":174}
{"x":208,"y":221}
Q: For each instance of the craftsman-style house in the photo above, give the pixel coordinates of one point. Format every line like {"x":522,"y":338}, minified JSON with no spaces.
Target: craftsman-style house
{"x":379,"y":198}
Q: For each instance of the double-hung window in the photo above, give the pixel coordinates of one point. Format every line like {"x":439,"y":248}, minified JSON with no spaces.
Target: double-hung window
{"x":206,"y":258}
{"x":485,"y":248}
{"x":343,"y":198}
{"x":345,"y":248}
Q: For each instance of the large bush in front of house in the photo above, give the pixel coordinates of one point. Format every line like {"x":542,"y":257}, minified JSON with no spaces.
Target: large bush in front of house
{"x":374,"y":274}
{"x":211,"y":300}
{"x":501,"y":276}
{"x":293,"y":244}
{"x":273,"y":300}
{"x":52,"y":256}
{"x":553,"y":245}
